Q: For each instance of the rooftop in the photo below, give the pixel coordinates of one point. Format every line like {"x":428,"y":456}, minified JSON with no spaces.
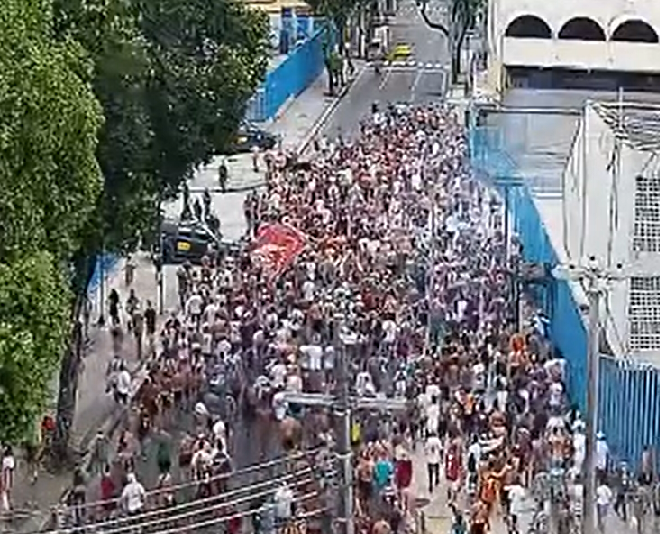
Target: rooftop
{"x":539,"y":140}
{"x":635,"y":124}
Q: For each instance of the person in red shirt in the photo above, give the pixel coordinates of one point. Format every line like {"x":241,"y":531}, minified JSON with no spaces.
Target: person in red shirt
{"x":453,"y":468}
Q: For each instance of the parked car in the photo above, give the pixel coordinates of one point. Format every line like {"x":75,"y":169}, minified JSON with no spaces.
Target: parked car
{"x":190,"y":240}
{"x":250,"y":136}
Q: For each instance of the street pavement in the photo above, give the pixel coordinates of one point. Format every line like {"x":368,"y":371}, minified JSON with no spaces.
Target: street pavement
{"x":421,"y":79}
{"x":94,"y":406}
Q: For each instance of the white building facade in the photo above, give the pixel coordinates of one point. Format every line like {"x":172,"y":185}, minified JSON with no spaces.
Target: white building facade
{"x":611,"y":211}
{"x":587,"y":35}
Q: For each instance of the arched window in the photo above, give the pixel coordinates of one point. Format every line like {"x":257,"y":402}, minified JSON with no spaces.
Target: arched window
{"x":582,"y":29}
{"x":636,"y":31}
{"x":528,"y":26}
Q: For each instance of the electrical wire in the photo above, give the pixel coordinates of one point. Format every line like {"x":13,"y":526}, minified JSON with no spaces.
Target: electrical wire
{"x":132,"y":527}
{"x":243,"y":514}
{"x":215,"y":498}
{"x":193,"y":483}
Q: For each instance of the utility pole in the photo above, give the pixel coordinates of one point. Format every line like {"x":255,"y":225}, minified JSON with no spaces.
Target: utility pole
{"x":343,"y":412}
{"x":344,"y":404}
{"x":596,"y":279}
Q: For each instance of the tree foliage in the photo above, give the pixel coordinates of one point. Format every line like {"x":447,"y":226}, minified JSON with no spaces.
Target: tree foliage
{"x":33,"y":331}
{"x":336,"y":11}
{"x":49,"y":177}
{"x":173,"y":78}
{"x":106,"y":107}
{"x":463,"y":15}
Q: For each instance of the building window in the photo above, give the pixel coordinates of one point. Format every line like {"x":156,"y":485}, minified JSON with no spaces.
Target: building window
{"x":582,"y":29}
{"x":644,"y":314}
{"x":635,"y":31}
{"x":528,"y":27}
{"x":646,"y":233}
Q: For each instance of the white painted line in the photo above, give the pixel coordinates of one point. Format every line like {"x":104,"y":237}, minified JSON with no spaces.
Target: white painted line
{"x":413,"y":89}
{"x":325,"y":116}
{"x":385,"y":78}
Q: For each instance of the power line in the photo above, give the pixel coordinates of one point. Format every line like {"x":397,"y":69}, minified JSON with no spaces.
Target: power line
{"x":214,"y":479}
{"x":210,"y":500}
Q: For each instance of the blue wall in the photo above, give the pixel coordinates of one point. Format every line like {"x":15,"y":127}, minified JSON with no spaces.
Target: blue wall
{"x":105,"y":265}
{"x":629,"y":403}
{"x":291,"y":77}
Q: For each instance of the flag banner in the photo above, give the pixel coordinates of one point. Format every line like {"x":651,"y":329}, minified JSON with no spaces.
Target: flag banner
{"x":276,"y":247}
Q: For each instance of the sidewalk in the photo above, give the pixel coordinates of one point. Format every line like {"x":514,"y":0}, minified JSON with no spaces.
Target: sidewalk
{"x":94,"y":408}
{"x":297,"y":124}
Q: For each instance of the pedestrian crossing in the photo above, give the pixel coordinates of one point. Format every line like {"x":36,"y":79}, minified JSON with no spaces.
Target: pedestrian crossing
{"x":411,"y":64}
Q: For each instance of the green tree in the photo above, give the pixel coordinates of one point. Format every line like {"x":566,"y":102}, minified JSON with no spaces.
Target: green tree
{"x":463,"y":16}
{"x":207,"y":60}
{"x":173,"y":78}
{"x":49,"y":119}
{"x":33,"y":332}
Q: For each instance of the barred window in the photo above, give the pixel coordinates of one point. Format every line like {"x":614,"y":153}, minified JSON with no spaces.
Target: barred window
{"x":644,"y":314}
{"x":646,"y":236}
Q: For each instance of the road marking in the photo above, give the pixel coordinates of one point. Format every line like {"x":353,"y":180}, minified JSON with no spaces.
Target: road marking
{"x":413,"y":89}
{"x":327,"y":114}
{"x":385,"y":78}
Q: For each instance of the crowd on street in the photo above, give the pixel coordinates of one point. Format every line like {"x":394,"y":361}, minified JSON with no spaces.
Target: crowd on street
{"x":387,"y":240}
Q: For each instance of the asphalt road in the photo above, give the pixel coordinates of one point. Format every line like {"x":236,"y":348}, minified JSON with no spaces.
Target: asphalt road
{"x":422,"y":83}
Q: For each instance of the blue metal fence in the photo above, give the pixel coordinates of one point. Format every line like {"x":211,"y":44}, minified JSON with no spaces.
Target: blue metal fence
{"x":290,"y":78}
{"x":629,"y":402}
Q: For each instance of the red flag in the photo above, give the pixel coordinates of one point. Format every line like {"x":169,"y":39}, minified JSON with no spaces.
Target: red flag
{"x":276,"y":247}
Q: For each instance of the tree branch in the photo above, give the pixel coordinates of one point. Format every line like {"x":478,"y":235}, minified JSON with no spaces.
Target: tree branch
{"x":432,"y":24}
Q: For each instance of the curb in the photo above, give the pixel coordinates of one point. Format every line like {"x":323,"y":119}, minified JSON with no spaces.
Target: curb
{"x":321,"y":122}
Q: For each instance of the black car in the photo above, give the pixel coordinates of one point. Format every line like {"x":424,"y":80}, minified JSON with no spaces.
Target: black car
{"x":190,"y":241}
{"x":250,"y":136}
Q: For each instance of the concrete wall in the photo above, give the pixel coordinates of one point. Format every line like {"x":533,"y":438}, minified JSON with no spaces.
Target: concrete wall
{"x":581,"y":55}
{"x":599,"y":216}
{"x":295,"y":74}
{"x":603,"y":55}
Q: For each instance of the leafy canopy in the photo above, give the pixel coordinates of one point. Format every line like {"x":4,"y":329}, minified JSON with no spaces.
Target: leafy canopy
{"x":50,"y":179}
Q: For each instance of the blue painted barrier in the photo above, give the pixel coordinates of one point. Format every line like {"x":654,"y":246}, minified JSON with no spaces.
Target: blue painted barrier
{"x":629,"y":392}
{"x":290,"y":78}
{"x":105,"y":265}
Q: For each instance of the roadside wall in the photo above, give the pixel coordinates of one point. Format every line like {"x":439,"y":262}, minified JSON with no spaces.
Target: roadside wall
{"x":290,"y":78}
{"x":629,"y":411}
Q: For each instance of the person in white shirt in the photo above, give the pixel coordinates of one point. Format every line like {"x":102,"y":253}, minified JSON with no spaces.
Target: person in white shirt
{"x":314,"y":357}
{"x":122,"y":385}
{"x":284,"y":501}
{"x":279,"y":405}
{"x":432,"y":413}
{"x":194,"y":307}
{"x":278,"y":374}
{"x":579,"y":447}
{"x":479,"y":377}
{"x":516,"y":495}
{"x":433,"y":454}
{"x":390,"y":330}
{"x":133,"y":496}
{"x":603,"y":500}
{"x":602,"y":452}
{"x":309,"y":289}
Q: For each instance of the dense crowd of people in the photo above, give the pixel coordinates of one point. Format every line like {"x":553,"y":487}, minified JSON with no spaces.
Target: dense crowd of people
{"x":392,"y":244}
